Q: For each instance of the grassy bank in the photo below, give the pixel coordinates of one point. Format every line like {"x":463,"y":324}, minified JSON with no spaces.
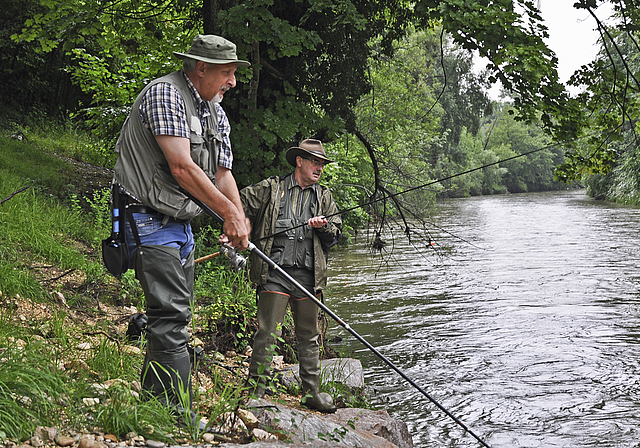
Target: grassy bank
{"x":65,"y":360}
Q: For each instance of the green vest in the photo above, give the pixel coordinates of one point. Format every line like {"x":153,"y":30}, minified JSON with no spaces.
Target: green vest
{"x":143,"y":170}
{"x":294,"y":247}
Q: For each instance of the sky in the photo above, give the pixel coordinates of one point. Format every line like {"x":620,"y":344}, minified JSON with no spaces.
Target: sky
{"x":572,"y":36}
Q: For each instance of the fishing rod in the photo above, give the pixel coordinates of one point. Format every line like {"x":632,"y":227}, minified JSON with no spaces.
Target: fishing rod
{"x":234,"y":257}
{"x":419,"y":187}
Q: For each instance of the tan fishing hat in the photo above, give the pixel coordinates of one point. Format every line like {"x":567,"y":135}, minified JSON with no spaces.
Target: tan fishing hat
{"x":308,"y":147}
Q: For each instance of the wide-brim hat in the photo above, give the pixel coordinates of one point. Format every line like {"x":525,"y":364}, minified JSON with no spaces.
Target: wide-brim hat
{"x":308,"y":147}
{"x":212,"y":49}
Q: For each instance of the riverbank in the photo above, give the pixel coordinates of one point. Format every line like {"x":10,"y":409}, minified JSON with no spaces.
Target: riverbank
{"x":280,"y":420}
{"x":67,"y":364}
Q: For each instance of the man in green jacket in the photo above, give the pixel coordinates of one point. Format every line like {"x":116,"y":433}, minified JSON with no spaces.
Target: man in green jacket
{"x":295,"y":221}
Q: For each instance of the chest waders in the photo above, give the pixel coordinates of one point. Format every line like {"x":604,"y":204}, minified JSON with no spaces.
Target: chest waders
{"x":291,"y":249}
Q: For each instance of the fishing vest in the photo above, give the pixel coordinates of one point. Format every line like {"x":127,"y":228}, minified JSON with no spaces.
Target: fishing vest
{"x":143,"y":170}
{"x":294,"y":246}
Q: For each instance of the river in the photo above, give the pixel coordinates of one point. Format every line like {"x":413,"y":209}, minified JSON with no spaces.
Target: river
{"x":522,"y":320}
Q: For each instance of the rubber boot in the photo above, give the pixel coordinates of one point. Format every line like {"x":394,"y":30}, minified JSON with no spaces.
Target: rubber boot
{"x":169,"y":381}
{"x":272,"y":307}
{"x":305,"y":316}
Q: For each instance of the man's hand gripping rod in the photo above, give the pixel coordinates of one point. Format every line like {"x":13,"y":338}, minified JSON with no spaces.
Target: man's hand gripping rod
{"x":335,"y":317}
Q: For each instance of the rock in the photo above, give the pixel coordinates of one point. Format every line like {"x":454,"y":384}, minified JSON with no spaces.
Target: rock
{"x":91,"y":401}
{"x":154,"y":444}
{"x":61,"y":298}
{"x":138,"y":439}
{"x":378,"y":423}
{"x":100,"y":389}
{"x":278,"y":363}
{"x":261,"y":434}
{"x":65,"y":440}
{"x":347,"y":371}
{"x":89,"y":441}
{"x":347,"y":427}
{"x":131,"y":350}
{"x":208,"y":437}
{"x":46,"y":434}
{"x":111,"y":438}
{"x":109,"y":383}
{"x":84,"y":346}
{"x":36,"y":442}
{"x":250,"y":420}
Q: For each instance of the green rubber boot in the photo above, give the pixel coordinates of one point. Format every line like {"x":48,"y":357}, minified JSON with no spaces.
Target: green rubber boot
{"x":305,"y":313}
{"x":272,"y":307}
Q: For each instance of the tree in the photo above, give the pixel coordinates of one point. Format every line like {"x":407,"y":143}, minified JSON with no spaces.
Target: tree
{"x":610,"y":101}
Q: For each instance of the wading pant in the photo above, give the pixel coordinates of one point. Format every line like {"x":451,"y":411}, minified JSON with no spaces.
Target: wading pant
{"x":168,"y":287}
{"x":272,"y":306}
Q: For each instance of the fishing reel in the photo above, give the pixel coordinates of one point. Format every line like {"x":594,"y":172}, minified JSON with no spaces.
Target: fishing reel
{"x":237,"y":261}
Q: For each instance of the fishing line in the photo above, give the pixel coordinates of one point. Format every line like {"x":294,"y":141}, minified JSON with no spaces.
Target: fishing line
{"x":419,"y":187}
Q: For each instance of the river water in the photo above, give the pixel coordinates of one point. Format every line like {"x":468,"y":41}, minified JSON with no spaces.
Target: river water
{"x":522,"y":320}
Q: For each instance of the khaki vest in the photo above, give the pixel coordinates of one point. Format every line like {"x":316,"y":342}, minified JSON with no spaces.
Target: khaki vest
{"x":143,"y":170}
{"x":294,"y":247}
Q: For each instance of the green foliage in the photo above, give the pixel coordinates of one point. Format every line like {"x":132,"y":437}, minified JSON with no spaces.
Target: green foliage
{"x":37,"y":390}
{"x":349,"y":180}
{"x":122,"y":413}
{"x":227,"y":299}
{"x":508,"y":138}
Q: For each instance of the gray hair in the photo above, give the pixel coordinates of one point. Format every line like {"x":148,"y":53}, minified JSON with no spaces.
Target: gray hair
{"x":189,"y":65}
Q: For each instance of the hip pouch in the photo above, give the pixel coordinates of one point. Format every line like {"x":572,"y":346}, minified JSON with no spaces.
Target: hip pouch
{"x":115,"y":252}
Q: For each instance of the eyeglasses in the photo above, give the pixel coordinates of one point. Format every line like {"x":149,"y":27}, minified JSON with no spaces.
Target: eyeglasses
{"x":317,"y":163}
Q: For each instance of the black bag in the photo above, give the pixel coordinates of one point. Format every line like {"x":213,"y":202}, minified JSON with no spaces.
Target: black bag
{"x":115,"y":252}
{"x":137,"y":326}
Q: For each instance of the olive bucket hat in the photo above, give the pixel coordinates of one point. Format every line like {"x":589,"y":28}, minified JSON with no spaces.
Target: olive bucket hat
{"x":212,"y":49}
{"x":308,"y":148}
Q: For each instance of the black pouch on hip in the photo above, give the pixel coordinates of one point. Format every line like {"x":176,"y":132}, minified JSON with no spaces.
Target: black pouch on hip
{"x":115,"y":252}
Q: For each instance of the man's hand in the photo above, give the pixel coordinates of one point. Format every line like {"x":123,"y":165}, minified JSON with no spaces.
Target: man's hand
{"x":224,"y":239}
{"x":236,"y":232}
{"x":317,"y":221}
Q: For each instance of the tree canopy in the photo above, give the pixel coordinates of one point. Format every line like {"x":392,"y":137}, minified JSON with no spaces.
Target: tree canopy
{"x":318,"y":64}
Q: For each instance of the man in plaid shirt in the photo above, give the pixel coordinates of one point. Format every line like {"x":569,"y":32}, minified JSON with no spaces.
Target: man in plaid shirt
{"x":177,"y":138}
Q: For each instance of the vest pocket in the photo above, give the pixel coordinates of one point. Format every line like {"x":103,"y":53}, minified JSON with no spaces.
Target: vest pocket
{"x":166,"y":190}
{"x":199,"y":152}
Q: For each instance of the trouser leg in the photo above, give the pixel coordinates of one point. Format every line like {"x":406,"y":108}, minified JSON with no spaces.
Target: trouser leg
{"x":168,"y":288}
{"x":272,"y":307}
{"x":305,"y":316}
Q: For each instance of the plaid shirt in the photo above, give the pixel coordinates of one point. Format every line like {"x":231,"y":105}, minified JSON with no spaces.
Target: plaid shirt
{"x":162,"y":111}
{"x":225,"y":158}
